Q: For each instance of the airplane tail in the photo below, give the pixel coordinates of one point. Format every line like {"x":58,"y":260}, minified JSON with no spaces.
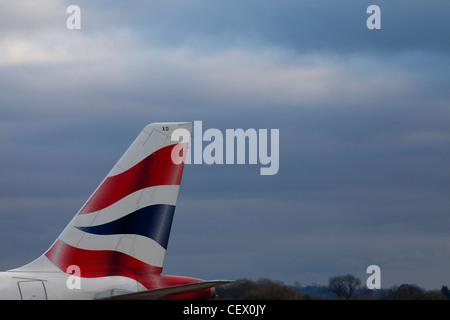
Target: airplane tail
{"x":124,"y":226}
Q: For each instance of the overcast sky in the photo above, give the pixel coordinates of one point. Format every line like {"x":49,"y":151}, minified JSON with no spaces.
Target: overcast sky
{"x":363,"y":116}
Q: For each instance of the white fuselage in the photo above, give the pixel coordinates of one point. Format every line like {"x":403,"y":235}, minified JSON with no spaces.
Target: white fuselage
{"x":58,"y":285}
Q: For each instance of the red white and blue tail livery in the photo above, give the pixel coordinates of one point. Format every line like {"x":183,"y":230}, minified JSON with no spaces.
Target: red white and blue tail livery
{"x":114,"y":247}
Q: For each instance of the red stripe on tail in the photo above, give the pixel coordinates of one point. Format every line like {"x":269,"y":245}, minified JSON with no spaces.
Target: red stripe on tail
{"x":98,"y":263}
{"x":157,"y":169}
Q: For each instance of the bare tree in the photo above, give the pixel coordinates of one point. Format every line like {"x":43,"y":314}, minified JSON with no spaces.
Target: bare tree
{"x":344,"y":286}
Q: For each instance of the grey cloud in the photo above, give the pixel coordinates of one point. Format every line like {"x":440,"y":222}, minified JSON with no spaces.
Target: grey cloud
{"x":363,"y":121}
{"x":337,"y":26}
{"x":25,"y":18}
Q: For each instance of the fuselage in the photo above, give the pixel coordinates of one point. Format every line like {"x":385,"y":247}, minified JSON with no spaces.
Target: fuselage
{"x":16,"y":285}
{"x":58,"y":285}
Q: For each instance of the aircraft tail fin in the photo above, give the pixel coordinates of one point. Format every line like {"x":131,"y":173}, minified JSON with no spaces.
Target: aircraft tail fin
{"x":124,"y":226}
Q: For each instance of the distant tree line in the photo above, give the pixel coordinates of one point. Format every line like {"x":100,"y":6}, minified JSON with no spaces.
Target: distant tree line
{"x":263,"y":289}
{"x":339,"y":287}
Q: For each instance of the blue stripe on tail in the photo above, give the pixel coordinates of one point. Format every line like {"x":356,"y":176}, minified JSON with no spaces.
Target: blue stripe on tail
{"x":153,"y":222}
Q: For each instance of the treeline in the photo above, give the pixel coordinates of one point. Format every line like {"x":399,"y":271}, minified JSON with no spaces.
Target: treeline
{"x":263,"y":289}
{"x":339,"y":288}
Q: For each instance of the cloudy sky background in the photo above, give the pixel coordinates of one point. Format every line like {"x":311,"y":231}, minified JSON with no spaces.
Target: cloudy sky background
{"x":364,"y":120}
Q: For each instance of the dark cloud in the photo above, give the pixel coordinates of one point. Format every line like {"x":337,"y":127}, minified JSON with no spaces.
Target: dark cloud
{"x":363,"y":119}
{"x":338,"y":26}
